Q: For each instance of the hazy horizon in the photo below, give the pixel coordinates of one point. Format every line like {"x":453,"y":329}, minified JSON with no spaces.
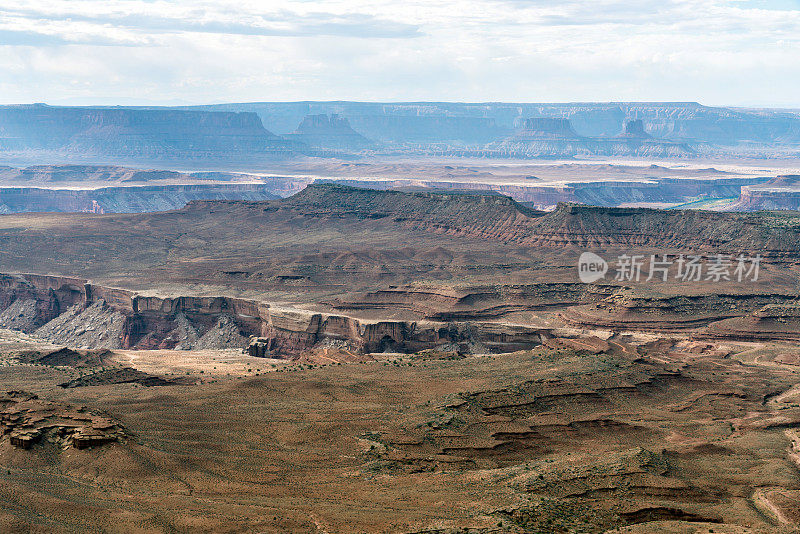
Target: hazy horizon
{"x":101,"y":103}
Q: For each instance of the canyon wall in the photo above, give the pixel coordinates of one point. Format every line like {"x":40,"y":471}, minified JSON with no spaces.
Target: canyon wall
{"x":75,"y":312}
{"x":125,"y":199}
{"x":779,"y":193}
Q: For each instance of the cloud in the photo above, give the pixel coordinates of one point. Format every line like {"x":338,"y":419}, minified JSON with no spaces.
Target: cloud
{"x":40,"y":39}
{"x":715,"y":51}
{"x":279,"y":23}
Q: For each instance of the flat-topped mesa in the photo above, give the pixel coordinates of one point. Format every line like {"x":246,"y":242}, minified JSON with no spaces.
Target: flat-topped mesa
{"x":486,"y":215}
{"x":779,"y":193}
{"x":330,"y":197}
{"x":134,"y":132}
{"x":500,"y":218}
{"x":331,"y":132}
{"x":324,"y":124}
{"x":545,"y":128}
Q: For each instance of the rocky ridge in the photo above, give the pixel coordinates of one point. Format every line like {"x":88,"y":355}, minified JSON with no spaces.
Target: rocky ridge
{"x":501,"y":218}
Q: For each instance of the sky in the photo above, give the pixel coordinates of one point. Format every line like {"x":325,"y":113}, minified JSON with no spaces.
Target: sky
{"x":152,"y":52}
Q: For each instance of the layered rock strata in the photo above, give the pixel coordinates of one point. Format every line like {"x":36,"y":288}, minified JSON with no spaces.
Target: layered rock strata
{"x":77,"y":313}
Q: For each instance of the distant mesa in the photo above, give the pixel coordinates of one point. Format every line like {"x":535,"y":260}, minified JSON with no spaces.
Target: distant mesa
{"x":547,"y":128}
{"x":786,"y":180}
{"x":243,"y":132}
{"x":635,"y":129}
{"x":157,"y":133}
{"x":555,"y":137}
{"x":542,"y":137}
{"x":329,"y":132}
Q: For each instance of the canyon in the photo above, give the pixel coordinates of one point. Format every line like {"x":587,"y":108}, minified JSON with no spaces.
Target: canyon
{"x":429,"y":352}
{"x":362,"y":317}
{"x":441,"y":291}
{"x":107,"y":188}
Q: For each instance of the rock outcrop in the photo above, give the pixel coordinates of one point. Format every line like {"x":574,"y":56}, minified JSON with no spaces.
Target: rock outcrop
{"x":29,"y":421}
{"x":779,"y":193}
{"x":635,"y":129}
{"x":332,"y":132}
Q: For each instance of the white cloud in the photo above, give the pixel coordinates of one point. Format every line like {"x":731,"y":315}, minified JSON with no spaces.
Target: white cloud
{"x":714,"y":51}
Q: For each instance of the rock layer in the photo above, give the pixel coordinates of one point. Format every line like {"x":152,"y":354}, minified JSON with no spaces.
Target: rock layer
{"x":79,"y":314}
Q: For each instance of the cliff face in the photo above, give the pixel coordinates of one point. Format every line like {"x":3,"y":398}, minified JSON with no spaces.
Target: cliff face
{"x":74,"y":311}
{"x":779,"y":193}
{"x":141,"y":133}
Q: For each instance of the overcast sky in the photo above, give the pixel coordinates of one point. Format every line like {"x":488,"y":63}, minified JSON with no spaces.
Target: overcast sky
{"x":723,"y":52}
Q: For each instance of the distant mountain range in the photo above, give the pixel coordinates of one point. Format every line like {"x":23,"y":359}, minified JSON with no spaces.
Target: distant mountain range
{"x":250,"y":132}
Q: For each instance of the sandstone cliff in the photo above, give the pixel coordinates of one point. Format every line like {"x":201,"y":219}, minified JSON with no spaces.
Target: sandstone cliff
{"x":780,"y":193}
